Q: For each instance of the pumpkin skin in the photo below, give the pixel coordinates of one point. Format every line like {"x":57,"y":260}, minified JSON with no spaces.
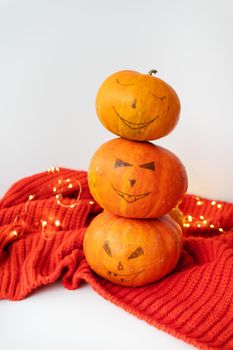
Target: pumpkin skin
{"x":177,"y":215}
{"x":136,"y":179}
{"x":137,"y":106}
{"x":132,"y":252}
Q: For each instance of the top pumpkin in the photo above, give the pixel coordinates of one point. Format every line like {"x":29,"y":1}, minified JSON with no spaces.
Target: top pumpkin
{"x":137,"y":106}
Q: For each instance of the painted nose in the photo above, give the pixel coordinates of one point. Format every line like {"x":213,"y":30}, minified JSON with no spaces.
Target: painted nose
{"x":132,"y":182}
{"x":120,"y":266}
{"x":133,"y":103}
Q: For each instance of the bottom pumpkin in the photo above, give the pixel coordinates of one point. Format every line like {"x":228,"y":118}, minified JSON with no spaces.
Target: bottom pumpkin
{"x":132,"y":252}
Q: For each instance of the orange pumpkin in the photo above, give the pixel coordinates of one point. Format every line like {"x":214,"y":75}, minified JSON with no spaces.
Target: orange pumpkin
{"x":177,"y":215}
{"x":136,"y":179}
{"x":137,"y":106}
{"x":132,"y":252}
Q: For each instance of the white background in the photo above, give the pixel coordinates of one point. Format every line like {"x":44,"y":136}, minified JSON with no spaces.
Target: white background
{"x":53,"y":57}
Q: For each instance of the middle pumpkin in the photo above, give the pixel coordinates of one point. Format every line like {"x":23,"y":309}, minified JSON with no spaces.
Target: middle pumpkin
{"x":136,"y":179}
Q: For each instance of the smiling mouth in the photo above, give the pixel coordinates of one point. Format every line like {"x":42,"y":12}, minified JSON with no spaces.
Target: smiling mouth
{"x":130,"y":198}
{"x":123,"y":277}
{"x":134,"y":125}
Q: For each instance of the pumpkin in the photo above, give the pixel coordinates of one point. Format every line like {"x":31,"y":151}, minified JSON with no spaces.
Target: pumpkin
{"x":177,"y":215}
{"x":136,"y":179}
{"x":132,"y":252}
{"x":137,"y":106}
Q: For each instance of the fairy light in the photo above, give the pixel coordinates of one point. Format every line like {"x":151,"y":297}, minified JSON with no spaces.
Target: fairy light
{"x":201,"y":222}
{"x":49,"y":227}
{"x":59,"y":193}
{"x":14,"y":233}
{"x":57,"y":223}
{"x":190,"y":218}
{"x":53,"y":169}
{"x":44,"y":223}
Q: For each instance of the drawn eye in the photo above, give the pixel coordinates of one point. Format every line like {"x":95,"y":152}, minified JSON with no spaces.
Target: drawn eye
{"x":107,"y":248}
{"x":118,"y":82}
{"x":150,"y":166}
{"x":158,"y":97}
{"x":139,"y":251}
{"x":120,"y":163}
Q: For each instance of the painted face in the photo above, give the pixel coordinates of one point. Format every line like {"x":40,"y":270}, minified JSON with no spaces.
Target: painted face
{"x":136,"y":179}
{"x":137,"y":106}
{"x":132,"y":252}
{"x":120,"y":272}
{"x":130,"y":197}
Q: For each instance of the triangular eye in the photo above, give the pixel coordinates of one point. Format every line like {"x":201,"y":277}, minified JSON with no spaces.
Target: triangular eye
{"x":107,"y":248}
{"x":120,"y":163}
{"x":150,"y":165}
{"x":139,"y":251}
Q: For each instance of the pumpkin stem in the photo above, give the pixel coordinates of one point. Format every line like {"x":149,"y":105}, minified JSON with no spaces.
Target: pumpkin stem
{"x":152,"y":71}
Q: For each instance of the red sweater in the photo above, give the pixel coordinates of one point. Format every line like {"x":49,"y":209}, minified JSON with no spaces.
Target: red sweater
{"x":41,"y":241}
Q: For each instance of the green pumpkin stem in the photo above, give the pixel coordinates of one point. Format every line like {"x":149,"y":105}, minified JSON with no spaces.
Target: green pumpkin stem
{"x":152,"y":71}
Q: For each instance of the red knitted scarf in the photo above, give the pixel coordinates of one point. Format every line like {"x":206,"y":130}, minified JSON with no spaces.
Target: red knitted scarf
{"x":41,"y":241}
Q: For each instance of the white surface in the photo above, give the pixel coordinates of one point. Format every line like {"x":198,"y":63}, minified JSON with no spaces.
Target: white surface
{"x":57,"y":319}
{"x":55,"y":54}
{"x":53,"y":57}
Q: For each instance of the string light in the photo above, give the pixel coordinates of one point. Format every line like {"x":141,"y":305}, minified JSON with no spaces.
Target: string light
{"x":62,"y":186}
{"x":57,"y":223}
{"x":200,"y":222}
{"x":20,"y":223}
{"x":53,"y":169}
{"x":14,"y":233}
{"x":49,"y":225}
{"x":190,"y":218}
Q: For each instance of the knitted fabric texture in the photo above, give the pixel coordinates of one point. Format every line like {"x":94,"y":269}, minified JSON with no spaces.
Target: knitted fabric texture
{"x":193,"y":303}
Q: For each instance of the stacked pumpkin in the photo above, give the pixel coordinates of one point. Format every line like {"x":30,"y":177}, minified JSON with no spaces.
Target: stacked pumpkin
{"x":136,"y":239}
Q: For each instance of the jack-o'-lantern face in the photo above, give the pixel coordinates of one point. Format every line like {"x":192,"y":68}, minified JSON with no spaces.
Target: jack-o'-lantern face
{"x":130,"y":197}
{"x":120,"y":272}
{"x":132,"y":252}
{"x":136,"y":179}
{"x":137,"y":106}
